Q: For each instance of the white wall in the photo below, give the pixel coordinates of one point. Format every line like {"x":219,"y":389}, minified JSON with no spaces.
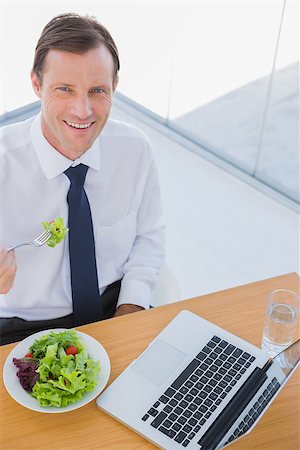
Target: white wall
{"x":175,"y":56}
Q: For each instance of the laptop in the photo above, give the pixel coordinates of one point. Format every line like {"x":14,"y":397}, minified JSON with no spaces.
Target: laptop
{"x":197,"y":386}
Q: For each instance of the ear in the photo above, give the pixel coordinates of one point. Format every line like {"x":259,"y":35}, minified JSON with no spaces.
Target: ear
{"x":37,"y":87}
{"x":115,"y":83}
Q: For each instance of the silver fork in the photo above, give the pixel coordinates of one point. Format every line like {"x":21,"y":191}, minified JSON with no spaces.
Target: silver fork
{"x":38,"y":242}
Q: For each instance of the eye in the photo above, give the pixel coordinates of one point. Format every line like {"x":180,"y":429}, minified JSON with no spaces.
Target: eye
{"x":97,"y":91}
{"x":64,"y":89}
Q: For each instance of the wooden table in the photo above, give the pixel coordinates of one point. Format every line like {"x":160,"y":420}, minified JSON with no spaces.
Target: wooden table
{"x":239,"y":310}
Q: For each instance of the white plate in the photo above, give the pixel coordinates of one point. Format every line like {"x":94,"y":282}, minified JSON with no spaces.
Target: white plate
{"x":11,"y":381}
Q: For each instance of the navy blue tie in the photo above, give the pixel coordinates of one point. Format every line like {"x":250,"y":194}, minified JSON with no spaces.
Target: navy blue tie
{"x":84,"y":279}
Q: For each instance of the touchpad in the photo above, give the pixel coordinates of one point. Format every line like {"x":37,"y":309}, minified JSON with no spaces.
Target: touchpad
{"x":159,"y":362}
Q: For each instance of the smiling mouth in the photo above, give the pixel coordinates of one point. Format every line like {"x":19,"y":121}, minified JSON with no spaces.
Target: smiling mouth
{"x":79,"y":126}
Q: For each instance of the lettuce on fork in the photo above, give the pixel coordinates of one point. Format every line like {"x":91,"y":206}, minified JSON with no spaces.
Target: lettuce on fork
{"x":57,"y":229}
{"x":61,"y":378}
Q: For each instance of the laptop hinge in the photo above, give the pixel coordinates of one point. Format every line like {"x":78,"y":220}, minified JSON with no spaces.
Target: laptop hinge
{"x":267,"y":365}
{"x":231,"y":412}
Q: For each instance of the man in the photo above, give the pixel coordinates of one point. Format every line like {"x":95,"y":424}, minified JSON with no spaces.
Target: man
{"x":75,"y":75}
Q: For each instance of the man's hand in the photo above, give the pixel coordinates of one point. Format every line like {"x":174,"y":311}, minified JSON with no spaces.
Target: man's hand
{"x":8,"y":270}
{"x":126,"y":308}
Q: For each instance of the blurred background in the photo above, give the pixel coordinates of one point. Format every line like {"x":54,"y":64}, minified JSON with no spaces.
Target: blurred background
{"x":215,"y":84}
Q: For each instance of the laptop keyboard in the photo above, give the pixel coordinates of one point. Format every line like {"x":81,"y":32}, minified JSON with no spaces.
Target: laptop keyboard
{"x":195,"y":394}
{"x":256,"y":410}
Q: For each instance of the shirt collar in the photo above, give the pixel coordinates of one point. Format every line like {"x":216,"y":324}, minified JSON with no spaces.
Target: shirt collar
{"x":54,"y":163}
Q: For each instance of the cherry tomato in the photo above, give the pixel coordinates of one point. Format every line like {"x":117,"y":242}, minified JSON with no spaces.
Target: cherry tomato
{"x":72,"y":350}
{"x":29,"y":355}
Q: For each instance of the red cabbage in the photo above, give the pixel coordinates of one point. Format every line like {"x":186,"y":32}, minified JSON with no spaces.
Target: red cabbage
{"x":27,"y":372}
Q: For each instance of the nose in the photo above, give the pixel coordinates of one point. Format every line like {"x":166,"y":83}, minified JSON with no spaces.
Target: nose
{"x":81,"y":106}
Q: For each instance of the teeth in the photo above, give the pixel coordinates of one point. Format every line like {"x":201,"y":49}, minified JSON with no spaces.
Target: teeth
{"x":79,"y":125}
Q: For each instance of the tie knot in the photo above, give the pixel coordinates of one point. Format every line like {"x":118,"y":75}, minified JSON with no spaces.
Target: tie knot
{"x":77,"y":174}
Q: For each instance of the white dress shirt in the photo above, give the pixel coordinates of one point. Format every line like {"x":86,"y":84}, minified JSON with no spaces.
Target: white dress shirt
{"x":124,"y":196}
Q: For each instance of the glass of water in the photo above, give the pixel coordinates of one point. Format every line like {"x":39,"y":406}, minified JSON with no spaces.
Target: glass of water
{"x":281,"y":321}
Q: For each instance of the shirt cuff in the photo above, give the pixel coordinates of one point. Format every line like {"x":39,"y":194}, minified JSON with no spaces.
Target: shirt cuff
{"x":134,"y":292}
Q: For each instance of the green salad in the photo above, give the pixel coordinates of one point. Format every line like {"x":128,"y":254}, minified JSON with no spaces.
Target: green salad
{"x":57,"y":371}
{"x":57,"y":229}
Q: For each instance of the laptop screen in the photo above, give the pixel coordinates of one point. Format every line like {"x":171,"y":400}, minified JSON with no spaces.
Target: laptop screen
{"x":289,"y":358}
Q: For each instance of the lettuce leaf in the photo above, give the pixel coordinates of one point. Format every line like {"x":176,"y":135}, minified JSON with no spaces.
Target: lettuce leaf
{"x":27,"y":372}
{"x":57,"y":229}
{"x":64,"y":339}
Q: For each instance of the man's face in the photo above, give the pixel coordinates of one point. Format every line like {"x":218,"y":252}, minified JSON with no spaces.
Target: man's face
{"x":76,"y":94}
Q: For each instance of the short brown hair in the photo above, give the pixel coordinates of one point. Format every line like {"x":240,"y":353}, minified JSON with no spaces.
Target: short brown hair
{"x":76,"y":34}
